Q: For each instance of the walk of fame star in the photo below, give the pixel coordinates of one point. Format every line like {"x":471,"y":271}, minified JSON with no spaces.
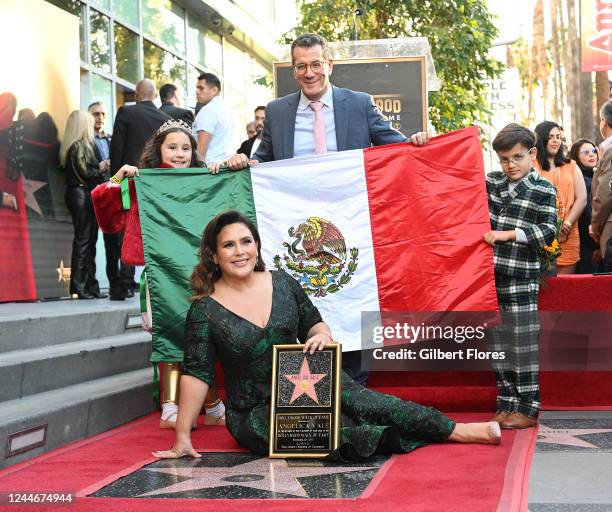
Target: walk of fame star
{"x":272,"y":475}
{"x":304,"y":382}
{"x":243,"y":475}
{"x":63,"y":273}
{"x":30,"y":187}
{"x":568,"y":436}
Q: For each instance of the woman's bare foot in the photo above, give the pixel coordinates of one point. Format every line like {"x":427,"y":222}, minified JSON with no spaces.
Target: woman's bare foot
{"x":482,"y":433}
{"x":177,"y":451}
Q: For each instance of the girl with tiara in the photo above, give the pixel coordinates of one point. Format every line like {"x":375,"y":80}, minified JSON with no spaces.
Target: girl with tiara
{"x":172,"y":146}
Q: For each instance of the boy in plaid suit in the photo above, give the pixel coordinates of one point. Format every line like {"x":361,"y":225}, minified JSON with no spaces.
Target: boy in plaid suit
{"x":523,"y":212}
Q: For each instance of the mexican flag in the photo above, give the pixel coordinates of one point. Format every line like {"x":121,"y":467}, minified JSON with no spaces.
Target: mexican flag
{"x":390,"y":228}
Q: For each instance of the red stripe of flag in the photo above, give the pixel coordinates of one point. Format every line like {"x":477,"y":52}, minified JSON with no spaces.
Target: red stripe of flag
{"x":428,"y":210}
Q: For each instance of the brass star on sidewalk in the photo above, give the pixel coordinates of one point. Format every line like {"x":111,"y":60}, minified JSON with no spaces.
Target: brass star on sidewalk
{"x":29,"y":188}
{"x":272,"y":475}
{"x":568,"y":436}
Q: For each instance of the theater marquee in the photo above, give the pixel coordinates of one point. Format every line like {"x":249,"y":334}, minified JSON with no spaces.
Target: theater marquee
{"x":397,"y":84}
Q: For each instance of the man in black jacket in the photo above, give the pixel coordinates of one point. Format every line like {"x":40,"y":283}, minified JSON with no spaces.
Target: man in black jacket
{"x":172,"y":102}
{"x":249,"y":146}
{"x":134,"y":125}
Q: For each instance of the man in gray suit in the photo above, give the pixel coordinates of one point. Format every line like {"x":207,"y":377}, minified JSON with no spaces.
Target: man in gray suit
{"x":350,"y":120}
{"x":601,"y":218}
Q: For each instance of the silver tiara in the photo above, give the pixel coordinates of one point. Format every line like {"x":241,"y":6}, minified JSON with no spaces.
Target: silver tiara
{"x":173,"y":123}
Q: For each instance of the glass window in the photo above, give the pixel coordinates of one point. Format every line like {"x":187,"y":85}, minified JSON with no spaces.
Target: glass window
{"x":234,"y":67}
{"x":163,"y":67}
{"x":102,"y":90}
{"x":84,"y":89}
{"x":126,"y":54}
{"x":235,"y":100}
{"x":123,"y":95}
{"x":126,"y":10}
{"x":196,"y":41}
{"x":214,"y":53}
{"x":192,"y":80}
{"x":164,"y":21}
{"x":260,"y":88}
{"x":100,"y":41}
{"x":103,"y":4}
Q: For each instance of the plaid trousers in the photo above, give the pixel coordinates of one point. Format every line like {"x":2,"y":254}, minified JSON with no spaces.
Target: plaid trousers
{"x":517,"y":376}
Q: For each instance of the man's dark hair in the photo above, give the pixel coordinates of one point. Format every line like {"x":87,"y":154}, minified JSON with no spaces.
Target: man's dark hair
{"x":95,"y":104}
{"x":166,"y":91}
{"x":606,"y":113}
{"x":211,"y":80}
{"x":542,"y":132}
{"x":308,"y":41}
{"x":261,"y":107}
{"x":513,"y":134}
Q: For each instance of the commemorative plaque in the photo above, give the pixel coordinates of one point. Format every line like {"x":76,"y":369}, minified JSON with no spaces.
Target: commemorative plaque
{"x":305,"y":408}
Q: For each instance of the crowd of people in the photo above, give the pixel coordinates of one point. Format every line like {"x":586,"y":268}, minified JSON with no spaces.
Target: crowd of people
{"x":543,"y":193}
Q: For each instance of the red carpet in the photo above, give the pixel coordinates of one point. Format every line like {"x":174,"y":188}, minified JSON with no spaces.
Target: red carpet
{"x":447,"y":476}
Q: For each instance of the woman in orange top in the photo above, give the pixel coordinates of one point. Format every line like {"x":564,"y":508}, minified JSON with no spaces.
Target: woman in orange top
{"x":565,"y":175}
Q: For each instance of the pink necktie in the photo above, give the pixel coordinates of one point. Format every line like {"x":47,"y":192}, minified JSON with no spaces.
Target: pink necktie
{"x":319,"y":128}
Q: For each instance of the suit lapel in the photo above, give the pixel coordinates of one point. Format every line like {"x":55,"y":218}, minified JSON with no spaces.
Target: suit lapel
{"x":503,"y":189}
{"x":523,"y":185}
{"x":340,"y":118}
{"x":288,"y":132}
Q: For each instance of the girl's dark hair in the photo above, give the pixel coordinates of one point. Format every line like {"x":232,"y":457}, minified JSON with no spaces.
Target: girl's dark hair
{"x":542,"y":132}
{"x":206,"y":272}
{"x":151,"y":154}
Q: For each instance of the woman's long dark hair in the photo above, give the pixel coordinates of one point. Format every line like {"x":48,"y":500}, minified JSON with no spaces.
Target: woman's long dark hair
{"x":151,"y":154}
{"x":574,"y":154}
{"x":206,"y":272}
{"x":542,"y":132}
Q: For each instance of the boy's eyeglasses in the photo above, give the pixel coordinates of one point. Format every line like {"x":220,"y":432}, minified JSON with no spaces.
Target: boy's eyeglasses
{"x":516,"y":159}
{"x":587,"y":152}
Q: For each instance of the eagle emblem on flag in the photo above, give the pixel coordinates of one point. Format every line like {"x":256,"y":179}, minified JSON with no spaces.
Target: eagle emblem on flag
{"x":317,"y":257}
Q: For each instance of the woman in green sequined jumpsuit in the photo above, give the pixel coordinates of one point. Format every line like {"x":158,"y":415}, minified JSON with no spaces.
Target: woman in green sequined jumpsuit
{"x":239,"y":312}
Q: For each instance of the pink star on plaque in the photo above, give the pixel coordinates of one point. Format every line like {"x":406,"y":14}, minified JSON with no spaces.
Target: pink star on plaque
{"x":304,"y":382}
{"x":568,"y":436}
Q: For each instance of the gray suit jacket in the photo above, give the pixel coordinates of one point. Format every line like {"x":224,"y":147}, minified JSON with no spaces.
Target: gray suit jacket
{"x":359,"y":124}
{"x":601,"y":218}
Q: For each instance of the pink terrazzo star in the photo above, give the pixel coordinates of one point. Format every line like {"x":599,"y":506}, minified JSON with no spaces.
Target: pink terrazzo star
{"x":567,"y":436}
{"x":304,"y":382}
{"x":273,"y":475}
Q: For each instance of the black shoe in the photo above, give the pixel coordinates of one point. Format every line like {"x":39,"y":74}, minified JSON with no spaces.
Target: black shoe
{"x":100,"y":295}
{"x":117,"y":294}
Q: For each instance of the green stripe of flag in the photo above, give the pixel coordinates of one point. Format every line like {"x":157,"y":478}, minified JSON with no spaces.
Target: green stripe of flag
{"x":175,"y":207}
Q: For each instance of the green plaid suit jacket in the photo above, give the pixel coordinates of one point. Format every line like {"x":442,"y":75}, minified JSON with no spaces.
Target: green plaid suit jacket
{"x":532,"y":206}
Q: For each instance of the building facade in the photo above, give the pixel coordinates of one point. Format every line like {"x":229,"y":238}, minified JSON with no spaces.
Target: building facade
{"x":173,"y":41}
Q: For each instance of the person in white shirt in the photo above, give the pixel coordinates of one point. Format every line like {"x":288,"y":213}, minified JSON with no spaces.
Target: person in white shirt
{"x":213,"y":127}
